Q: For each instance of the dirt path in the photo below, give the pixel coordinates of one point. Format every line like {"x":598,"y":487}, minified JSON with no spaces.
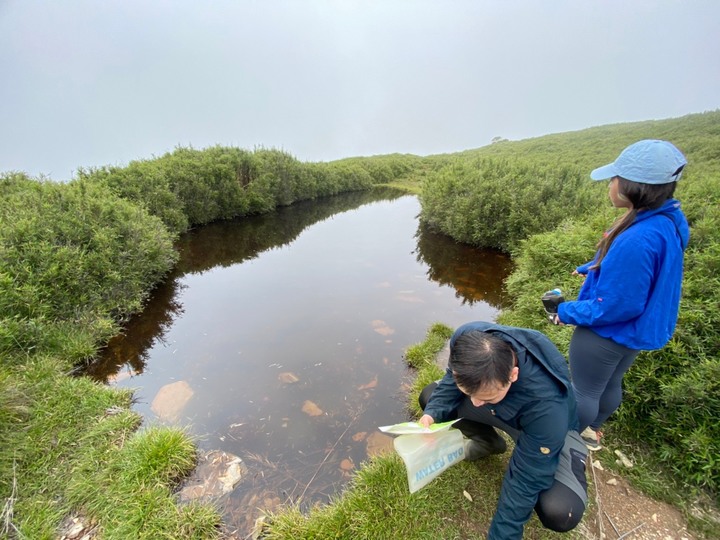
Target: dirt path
{"x":620,"y":511}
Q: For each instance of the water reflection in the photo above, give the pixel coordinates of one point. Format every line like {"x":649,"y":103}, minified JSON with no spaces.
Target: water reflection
{"x":227,"y":243}
{"x":472,"y":273}
{"x":280,"y":337}
{"x":220,"y":244}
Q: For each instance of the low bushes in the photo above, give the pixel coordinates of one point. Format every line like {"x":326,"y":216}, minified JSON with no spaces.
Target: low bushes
{"x":496,"y":203}
{"x":191,"y":187}
{"x":74,"y":260}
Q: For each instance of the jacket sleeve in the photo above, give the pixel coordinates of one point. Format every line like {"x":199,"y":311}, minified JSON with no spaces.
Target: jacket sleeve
{"x":584,"y":268}
{"x":620,"y":290}
{"x":445,"y":398}
{"x":531,"y":470}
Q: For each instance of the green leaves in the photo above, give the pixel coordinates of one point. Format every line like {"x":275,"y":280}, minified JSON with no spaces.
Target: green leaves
{"x":190,"y":187}
{"x":489,"y":202}
{"x":72,"y":254}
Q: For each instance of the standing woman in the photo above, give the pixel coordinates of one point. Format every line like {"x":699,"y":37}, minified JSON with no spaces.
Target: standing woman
{"x":630,"y":298}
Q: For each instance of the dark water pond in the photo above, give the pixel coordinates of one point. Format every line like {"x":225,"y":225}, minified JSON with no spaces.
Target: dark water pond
{"x":283,"y":336}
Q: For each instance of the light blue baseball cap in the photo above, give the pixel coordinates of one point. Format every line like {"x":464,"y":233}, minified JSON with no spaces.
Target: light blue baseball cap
{"x":647,"y":162}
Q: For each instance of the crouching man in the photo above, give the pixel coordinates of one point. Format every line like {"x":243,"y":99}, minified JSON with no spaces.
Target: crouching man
{"x":516,"y":380}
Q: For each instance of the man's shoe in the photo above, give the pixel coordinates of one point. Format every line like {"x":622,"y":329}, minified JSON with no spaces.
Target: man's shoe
{"x":479,"y":448}
{"x":591,"y":439}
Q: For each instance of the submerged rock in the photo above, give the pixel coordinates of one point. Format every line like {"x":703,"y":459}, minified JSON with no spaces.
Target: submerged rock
{"x":381,"y":328}
{"x":379,"y":443}
{"x":216,"y":474}
{"x":171,"y":400}
{"x":311,"y":409}
{"x":372,"y":384}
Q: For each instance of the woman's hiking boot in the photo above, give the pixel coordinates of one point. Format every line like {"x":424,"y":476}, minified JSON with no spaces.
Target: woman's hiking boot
{"x":591,"y":439}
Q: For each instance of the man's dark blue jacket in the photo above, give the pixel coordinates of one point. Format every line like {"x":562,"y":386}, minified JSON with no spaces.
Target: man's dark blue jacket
{"x":540,"y":405}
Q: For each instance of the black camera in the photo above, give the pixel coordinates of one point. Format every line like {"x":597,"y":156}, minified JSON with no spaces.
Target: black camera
{"x":551,"y":300}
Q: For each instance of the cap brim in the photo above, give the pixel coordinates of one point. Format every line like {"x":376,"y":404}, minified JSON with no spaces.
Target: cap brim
{"x":603,"y":173}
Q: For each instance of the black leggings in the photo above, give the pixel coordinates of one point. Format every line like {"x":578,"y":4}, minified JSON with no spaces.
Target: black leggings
{"x":597,"y":366}
{"x":561,"y":507}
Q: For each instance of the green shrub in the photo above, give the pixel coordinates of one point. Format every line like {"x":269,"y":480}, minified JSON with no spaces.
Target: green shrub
{"x":496,"y":203}
{"x":73,"y":255}
{"x":145,"y":185}
{"x":189,"y":187}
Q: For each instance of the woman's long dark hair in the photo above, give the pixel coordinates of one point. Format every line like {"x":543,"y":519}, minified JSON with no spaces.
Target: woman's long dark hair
{"x":642,"y":197}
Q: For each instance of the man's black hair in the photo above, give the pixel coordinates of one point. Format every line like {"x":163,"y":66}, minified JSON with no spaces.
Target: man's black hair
{"x":480,"y":360}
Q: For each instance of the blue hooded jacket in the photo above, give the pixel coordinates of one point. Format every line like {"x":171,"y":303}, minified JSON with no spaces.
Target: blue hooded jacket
{"x":540,"y":405}
{"x":634,"y":297}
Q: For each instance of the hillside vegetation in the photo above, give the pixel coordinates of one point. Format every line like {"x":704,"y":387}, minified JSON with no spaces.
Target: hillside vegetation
{"x":78,"y":258}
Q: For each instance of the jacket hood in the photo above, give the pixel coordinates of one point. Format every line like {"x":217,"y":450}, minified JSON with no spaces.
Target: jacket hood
{"x":671,"y":209}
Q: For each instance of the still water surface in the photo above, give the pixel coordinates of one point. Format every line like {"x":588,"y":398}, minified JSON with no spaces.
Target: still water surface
{"x":289,"y":330}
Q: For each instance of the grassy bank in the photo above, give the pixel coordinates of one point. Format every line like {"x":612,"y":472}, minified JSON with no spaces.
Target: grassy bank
{"x":74,"y":452}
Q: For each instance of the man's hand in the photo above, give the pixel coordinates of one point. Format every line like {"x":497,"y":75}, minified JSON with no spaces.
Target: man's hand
{"x":426,"y":421}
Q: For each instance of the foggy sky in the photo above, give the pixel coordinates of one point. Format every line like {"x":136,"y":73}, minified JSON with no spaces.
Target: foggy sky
{"x":102,"y":82}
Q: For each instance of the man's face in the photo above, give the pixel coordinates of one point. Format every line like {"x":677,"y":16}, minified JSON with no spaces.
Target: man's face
{"x":487,"y":394}
{"x":492,"y":393}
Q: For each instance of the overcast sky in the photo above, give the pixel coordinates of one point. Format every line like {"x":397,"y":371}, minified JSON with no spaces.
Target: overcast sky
{"x":101,"y":82}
